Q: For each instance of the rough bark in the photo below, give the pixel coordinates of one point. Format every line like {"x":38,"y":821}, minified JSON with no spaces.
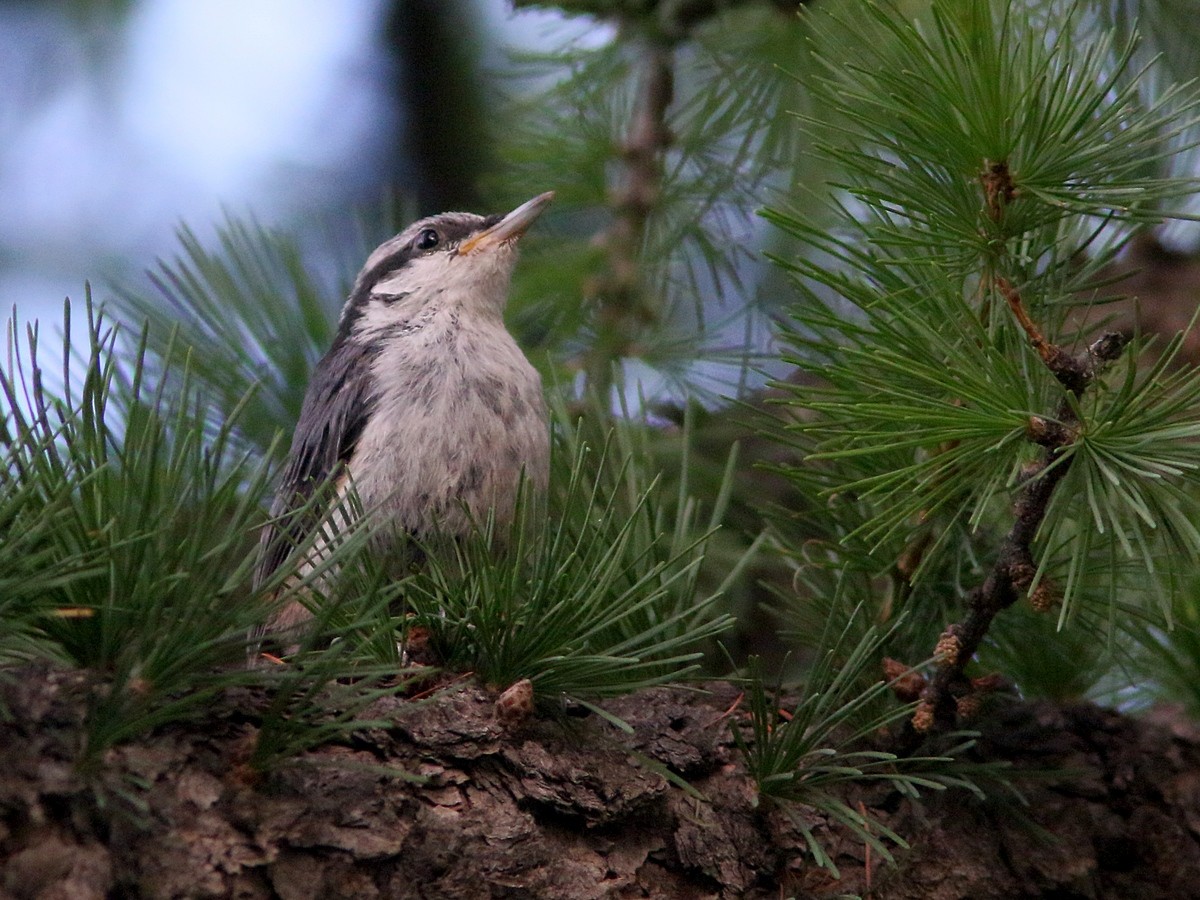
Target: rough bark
{"x":568,"y":807}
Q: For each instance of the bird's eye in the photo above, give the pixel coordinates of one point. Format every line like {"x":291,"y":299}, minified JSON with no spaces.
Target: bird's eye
{"x":427,"y":239}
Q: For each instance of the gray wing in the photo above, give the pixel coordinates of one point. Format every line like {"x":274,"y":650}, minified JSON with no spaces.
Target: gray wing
{"x":336,"y":407}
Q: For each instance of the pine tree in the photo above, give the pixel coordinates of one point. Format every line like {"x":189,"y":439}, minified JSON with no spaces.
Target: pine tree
{"x":983,"y":483}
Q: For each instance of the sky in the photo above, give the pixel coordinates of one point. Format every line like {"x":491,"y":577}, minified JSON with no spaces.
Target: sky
{"x":109,"y":138}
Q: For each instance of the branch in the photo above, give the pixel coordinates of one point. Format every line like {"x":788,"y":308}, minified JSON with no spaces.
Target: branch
{"x":622,"y":307}
{"x":675,"y":16}
{"x":1074,"y":374}
{"x":653,"y":28}
{"x":1013,"y":572}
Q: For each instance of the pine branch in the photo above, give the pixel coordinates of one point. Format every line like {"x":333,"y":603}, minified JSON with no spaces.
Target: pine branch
{"x":992,"y":170}
{"x":621,"y":305}
{"x":674,"y":16}
{"x":1014,"y":571}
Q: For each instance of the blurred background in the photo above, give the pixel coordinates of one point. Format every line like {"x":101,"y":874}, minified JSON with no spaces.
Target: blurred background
{"x":120,"y":119}
{"x":336,"y":123}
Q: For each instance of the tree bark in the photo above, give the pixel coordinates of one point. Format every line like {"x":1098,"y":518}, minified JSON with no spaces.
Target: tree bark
{"x":568,"y":806}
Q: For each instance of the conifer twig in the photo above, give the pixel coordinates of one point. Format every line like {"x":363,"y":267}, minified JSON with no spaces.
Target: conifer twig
{"x":1073,"y":373}
{"x":1014,"y":569}
{"x":673,"y":15}
{"x":621,"y":305}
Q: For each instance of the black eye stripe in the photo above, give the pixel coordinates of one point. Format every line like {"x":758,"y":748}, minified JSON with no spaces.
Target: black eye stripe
{"x":450,"y":229}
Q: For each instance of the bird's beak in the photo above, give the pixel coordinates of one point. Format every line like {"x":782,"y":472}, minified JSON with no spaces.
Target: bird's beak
{"x":510,"y":227}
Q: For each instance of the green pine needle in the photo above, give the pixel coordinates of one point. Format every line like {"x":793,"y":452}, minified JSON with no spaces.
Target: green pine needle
{"x":598,"y":595}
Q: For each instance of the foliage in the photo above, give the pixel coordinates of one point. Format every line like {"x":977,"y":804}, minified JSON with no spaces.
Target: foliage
{"x":972,"y":152}
{"x":129,"y":532}
{"x":596,"y":596}
{"x":1163,"y":664}
{"x":800,"y":754}
{"x":660,"y":148}
{"x":128,"y":548}
{"x":135,"y":517}
{"x":980,"y":151}
{"x":253,"y":314}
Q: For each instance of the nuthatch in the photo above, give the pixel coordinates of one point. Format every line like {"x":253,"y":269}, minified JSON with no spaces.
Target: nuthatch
{"x":424,"y":402}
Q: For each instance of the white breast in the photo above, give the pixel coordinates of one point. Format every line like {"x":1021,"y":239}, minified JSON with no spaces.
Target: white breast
{"x":459,"y":414}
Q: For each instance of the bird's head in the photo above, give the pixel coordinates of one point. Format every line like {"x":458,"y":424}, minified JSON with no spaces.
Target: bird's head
{"x":454,"y":258}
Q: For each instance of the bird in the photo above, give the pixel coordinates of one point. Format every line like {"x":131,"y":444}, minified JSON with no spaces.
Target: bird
{"x":424,"y":402}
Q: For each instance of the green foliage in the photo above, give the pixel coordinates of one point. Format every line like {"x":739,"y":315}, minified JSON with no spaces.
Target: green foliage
{"x":36,"y":506}
{"x":137,"y":532}
{"x":978,"y":147}
{"x":800,"y":755}
{"x":255,"y":317}
{"x":595,"y":596}
{"x":668,"y":290}
{"x":1163,"y":665}
{"x":1062,"y":664}
{"x":928,"y":111}
{"x":129,"y":528}
{"x":136,"y":517}
{"x":1167,"y":41}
